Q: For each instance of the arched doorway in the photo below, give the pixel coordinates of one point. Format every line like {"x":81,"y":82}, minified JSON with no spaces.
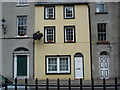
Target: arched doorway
{"x":104,"y":65}
{"x":21,"y":63}
{"x":79,"y":68}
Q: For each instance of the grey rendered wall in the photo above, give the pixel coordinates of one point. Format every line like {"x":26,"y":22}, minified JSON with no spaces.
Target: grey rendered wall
{"x":112,"y":33}
{"x":0,"y":38}
{"x":10,"y":41}
{"x":119,"y":38}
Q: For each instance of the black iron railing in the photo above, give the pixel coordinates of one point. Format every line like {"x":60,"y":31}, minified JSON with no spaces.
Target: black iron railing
{"x":47,"y":85}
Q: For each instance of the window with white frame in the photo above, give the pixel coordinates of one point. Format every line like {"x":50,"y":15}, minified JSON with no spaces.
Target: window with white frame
{"x":49,"y":12}
{"x":50,"y":34}
{"x":22,"y":2}
{"x":68,"y":12}
{"x":69,"y":34}
{"x":22,"y":25}
{"x":60,"y":64}
{"x":102,"y":32}
{"x":100,"y":7}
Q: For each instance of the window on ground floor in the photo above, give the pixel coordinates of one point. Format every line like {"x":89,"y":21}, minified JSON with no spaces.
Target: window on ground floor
{"x":58,"y":64}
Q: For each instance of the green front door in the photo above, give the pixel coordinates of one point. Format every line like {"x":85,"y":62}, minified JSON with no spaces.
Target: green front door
{"x":21,"y":65}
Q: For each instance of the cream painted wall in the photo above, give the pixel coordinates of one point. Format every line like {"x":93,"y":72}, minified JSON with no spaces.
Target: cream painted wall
{"x":82,"y":45}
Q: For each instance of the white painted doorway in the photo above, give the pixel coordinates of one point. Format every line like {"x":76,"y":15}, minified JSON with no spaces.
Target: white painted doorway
{"x":104,"y":66}
{"x":21,"y":66}
{"x":78,"y":67}
{"x":21,"y":63}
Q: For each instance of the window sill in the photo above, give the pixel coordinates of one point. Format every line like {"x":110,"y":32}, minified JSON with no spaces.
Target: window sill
{"x":103,"y":42}
{"x":69,"y":41}
{"x":49,"y":18}
{"x":49,"y":42}
{"x":101,"y":12}
{"x":69,"y":17}
{"x":21,"y":36}
{"x":58,"y":73}
{"x":24,"y":5}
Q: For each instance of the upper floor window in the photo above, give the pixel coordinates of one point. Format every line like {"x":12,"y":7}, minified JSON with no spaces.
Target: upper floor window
{"x":102,"y":32}
{"x":50,"y":12}
{"x":49,"y":34}
{"x":22,"y":25}
{"x":68,"y":12}
{"x":69,"y":34}
{"x":22,"y":2}
{"x":100,"y":8}
{"x":58,"y":64}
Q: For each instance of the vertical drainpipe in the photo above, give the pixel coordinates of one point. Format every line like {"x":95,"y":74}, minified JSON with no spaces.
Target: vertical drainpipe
{"x":33,"y":58}
{"x":90,"y":40}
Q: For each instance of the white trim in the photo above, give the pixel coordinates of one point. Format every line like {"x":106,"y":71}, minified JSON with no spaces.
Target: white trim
{"x":72,"y":8}
{"x":46,"y":29}
{"x":15,"y":67}
{"x":47,"y":13}
{"x":21,"y":36}
{"x":73,"y":29}
{"x":58,"y":65}
{"x":22,"y":25}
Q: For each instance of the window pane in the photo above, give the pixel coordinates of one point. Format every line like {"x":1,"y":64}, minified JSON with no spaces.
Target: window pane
{"x":63,"y":64}
{"x":100,"y":7}
{"x":49,"y":34}
{"x":22,"y":25}
{"x":69,"y":34}
{"x":49,"y":12}
{"x":101,"y":31}
{"x":58,"y":64}
{"x":52,"y":64}
{"x":69,"y":12}
{"x":22,"y":2}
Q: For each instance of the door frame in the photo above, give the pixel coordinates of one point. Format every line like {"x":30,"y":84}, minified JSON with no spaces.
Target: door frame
{"x":100,"y":67}
{"x":15,"y":67}
{"x":82,"y":65}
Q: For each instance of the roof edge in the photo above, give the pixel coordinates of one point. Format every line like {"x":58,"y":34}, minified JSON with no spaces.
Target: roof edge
{"x":60,"y":3}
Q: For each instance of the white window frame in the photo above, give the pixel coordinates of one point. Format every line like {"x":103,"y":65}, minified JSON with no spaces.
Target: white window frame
{"x":73,"y":29}
{"x":22,"y":2}
{"x":58,"y":65}
{"x":47,"y":12}
{"x":53,"y":34}
{"x":101,"y":33}
{"x":72,"y":10}
{"x":24,"y":25}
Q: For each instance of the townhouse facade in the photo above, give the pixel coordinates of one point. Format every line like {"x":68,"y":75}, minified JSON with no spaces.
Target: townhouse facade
{"x":17,"y":42}
{"x":104,"y":34}
{"x":64,"y":50}
{"x":23,"y":57}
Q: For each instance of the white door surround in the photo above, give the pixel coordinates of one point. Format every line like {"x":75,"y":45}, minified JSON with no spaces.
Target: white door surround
{"x":15,"y":67}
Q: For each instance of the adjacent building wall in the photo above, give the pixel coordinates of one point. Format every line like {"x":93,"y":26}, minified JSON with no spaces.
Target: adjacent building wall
{"x":10,"y":41}
{"x":119,"y":38}
{"x":111,"y":18}
{"x":0,"y":37}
